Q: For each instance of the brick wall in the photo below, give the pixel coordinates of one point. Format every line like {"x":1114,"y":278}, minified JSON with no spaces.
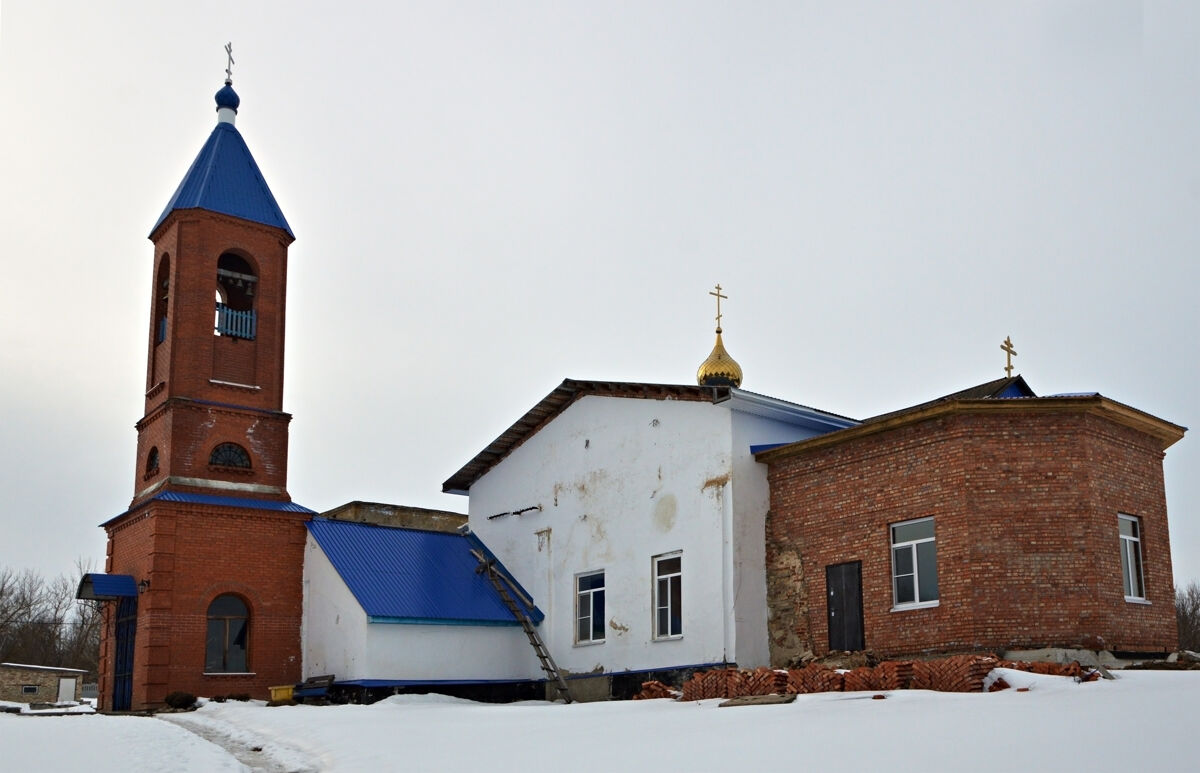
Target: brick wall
{"x":194,"y":241}
{"x":186,"y":432}
{"x":14,"y":678}
{"x":191,"y":554}
{"x":1025,"y":506}
{"x":204,"y":389}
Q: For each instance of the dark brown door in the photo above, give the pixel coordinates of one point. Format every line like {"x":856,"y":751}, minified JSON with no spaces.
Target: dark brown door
{"x":843,"y":586}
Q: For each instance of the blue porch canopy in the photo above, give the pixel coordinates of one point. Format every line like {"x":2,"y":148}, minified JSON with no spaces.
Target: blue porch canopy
{"x":106,"y":587}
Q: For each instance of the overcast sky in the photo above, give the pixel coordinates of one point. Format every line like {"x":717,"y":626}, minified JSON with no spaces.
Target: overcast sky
{"x":491,"y":197}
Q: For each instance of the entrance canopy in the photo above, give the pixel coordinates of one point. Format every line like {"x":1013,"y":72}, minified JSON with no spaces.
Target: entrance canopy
{"x":106,"y":587}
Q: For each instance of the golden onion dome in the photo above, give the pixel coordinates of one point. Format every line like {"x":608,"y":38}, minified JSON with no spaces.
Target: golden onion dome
{"x":719,"y":369}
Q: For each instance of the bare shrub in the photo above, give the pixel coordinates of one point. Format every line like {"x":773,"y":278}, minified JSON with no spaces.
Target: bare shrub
{"x":42,"y":623}
{"x":1187,"y":612}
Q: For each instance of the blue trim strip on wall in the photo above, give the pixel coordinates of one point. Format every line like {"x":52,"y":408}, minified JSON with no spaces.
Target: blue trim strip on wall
{"x":439,"y":621}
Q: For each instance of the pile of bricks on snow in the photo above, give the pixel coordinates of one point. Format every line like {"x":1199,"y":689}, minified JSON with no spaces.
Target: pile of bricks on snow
{"x":959,"y":673}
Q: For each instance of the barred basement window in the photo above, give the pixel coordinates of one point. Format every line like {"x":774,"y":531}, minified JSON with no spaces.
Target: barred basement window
{"x":229,"y":455}
{"x":29,"y":689}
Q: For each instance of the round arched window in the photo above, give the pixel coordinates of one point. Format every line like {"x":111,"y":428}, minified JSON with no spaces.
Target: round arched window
{"x":229,"y":455}
{"x":152,"y":461}
{"x":228,"y":636}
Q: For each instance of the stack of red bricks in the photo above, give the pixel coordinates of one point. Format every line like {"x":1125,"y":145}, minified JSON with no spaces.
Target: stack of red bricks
{"x":1051,"y":669}
{"x":732,"y":683}
{"x":652,"y":690}
{"x":960,"y":673}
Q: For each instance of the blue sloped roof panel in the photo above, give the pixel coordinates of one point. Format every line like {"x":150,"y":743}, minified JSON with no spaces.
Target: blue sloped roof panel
{"x":222,"y":501}
{"x":225,"y":501}
{"x":412,"y":576}
{"x":224,"y":178}
{"x":106,"y":587}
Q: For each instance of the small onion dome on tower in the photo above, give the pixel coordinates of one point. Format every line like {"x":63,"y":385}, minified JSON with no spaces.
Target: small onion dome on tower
{"x":227,"y":103}
{"x":719,"y":369}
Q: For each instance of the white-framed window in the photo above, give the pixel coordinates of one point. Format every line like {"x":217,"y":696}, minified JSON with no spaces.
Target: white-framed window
{"x":1130,"y":528}
{"x":29,"y":689}
{"x":589,"y":608}
{"x":914,"y":564}
{"x":668,"y":596}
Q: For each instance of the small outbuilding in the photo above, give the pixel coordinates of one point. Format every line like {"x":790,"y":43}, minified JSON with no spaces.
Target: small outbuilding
{"x":21,"y":683}
{"x":389,"y":609}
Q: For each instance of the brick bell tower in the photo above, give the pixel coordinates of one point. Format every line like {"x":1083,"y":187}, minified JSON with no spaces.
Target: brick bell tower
{"x":204,"y":569}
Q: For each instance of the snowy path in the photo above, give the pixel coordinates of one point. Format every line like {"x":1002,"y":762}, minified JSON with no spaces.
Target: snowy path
{"x":255,"y":752}
{"x":1142,"y":720}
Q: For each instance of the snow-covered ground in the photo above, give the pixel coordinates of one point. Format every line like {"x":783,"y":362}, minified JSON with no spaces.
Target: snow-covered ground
{"x":1141,"y":721}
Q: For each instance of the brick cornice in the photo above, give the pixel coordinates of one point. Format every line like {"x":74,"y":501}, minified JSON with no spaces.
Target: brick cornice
{"x":198,"y":214}
{"x":188,"y":403}
{"x":1166,"y":433}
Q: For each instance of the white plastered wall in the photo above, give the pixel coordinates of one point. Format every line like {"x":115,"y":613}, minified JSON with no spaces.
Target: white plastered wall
{"x":750,"y":496}
{"x":437,"y":652}
{"x":334,"y":626}
{"x":618,"y":480}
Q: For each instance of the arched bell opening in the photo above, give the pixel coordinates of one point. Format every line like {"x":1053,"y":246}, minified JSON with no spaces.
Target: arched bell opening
{"x":237,"y":286}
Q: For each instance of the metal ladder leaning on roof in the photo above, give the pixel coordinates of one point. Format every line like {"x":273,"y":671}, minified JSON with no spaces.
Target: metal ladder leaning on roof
{"x":506,"y":589}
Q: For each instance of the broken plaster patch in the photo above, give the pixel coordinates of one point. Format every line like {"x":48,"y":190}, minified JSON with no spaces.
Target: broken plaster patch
{"x":664,"y":512}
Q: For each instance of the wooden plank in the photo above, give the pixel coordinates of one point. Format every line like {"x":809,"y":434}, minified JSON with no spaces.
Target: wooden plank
{"x":757,"y":700}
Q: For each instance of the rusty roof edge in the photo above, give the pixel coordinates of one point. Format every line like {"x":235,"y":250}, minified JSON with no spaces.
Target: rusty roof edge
{"x":559,"y":399}
{"x":1166,"y":432}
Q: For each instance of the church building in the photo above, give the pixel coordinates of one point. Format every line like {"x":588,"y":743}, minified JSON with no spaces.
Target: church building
{"x":616,"y":530}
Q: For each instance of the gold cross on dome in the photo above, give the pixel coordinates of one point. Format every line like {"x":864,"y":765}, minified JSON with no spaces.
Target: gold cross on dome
{"x":229,"y":65}
{"x":718,"y":296}
{"x":1007,"y":346}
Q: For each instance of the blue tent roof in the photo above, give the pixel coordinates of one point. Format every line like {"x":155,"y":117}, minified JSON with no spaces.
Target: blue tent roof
{"x":412,"y":576}
{"x":225,"y":179}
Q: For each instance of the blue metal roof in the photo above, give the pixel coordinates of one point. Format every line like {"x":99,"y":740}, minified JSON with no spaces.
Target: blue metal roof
{"x":106,"y":586}
{"x":431,"y":682}
{"x":214,"y":499}
{"x":413,"y":576}
{"x":757,"y":449}
{"x":222,"y":501}
{"x":225,"y":179}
